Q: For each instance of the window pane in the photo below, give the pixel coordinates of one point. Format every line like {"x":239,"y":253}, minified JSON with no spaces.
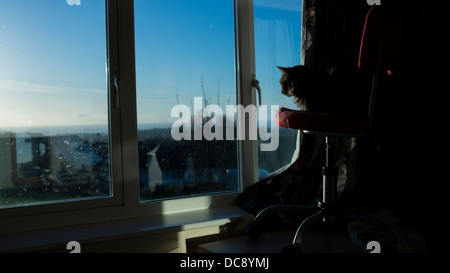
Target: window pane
{"x":54,"y":143}
{"x":184,"y":62}
{"x":277,"y":43}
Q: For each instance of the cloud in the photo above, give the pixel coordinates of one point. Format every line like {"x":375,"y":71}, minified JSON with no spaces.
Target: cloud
{"x":82,"y":115}
{"x":25,"y":103}
{"x":24,"y":86}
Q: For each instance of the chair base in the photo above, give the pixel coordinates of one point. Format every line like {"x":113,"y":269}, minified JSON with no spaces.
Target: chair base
{"x":321,"y":212}
{"x":329,"y":209}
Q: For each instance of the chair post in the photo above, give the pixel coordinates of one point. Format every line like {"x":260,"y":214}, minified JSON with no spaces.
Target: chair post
{"x":373,"y":92}
{"x":330,"y":174}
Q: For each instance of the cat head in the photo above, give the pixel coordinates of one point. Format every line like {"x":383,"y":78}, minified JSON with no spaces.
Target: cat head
{"x":296,"y":80}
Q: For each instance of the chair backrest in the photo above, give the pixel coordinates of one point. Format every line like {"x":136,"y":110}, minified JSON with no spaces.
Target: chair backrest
{"x":381,"y":41}
{"x":380,"y":49}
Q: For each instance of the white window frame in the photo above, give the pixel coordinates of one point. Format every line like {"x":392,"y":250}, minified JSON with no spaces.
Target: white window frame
{"x":125,"y":202}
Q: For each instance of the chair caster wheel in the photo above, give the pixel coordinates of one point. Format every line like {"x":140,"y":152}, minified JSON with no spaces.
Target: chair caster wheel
{"x":292,"y":249}
{"x":253,"y":231}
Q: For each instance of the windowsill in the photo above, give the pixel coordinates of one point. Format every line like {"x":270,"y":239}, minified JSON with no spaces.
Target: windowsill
{"x":174,"y":222}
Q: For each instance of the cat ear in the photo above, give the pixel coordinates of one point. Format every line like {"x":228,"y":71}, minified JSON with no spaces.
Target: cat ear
{"x":282,"y":69}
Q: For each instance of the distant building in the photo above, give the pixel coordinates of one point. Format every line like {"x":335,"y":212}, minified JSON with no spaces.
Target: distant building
{"x":58,"y":161}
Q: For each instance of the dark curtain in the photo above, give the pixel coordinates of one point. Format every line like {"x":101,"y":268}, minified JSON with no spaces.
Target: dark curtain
{"x":332,"y":33}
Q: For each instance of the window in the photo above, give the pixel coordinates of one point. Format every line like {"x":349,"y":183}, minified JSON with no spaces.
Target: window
{"x":92,"y":97}
{"x":54,"y":140}
{"x":277,"y":43}
{"x":188,"y":62}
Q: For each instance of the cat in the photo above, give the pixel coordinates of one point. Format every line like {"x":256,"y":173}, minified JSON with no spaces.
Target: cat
{"x":339,"y":91}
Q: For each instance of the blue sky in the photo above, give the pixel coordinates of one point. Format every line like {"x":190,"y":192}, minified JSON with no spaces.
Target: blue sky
{"x":53,"y":66}
{"x":52,"y":63}
{"x":187,"y":43}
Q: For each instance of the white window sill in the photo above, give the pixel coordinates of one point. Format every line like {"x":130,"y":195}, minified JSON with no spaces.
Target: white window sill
{"x":167,"y":223}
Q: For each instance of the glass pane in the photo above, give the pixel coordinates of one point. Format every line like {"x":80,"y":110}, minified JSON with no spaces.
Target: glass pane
{"x":54,"y":143}
{"x":185,"y":62}
{"x":277,"y":43}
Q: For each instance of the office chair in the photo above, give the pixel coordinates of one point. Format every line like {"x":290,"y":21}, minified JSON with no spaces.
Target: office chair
{"x":378,"y":57}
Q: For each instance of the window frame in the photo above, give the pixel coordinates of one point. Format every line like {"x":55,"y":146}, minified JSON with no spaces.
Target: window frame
{"x":121,"y":84}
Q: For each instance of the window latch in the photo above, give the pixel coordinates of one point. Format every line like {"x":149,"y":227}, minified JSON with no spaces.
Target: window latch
{"x":115,"y":95}
{"x":255,"y":84}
